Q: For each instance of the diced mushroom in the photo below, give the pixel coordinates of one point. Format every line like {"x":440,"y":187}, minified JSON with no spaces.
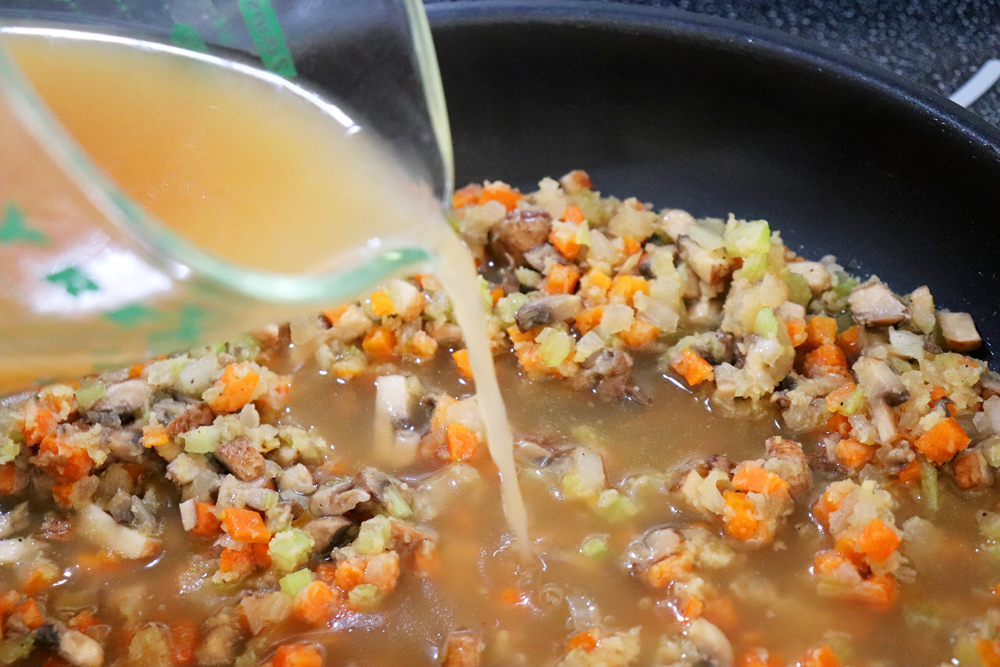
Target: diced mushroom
{"x":675,"y":222}
{"x":15,"y":550}
{"x":575,"y":181}
{"x":786,"y":459}
{"x":989,"y":384}
{"x":711,"y":266}
{"x":186,"y":467}
{"x":193,"y":416}
{"x":326,"y":532}
{"x":72,"y":646}
{"x":445,"y":333}
{"x":518,"y":233}
{"x":548,"y":310}
{"x":265,"y":611}
{"x":790,"y":310}
{"x":353,"y":323}
{"x":608,"y":372}
{"x":462,"y":649}
{"x":297,"y":478}
{"x":880,"y":382}
{"x":816,"y":275}
{"x":125,"y":397}
{"x":922,"y":309}
{"x":337,"y":500}
{"x":120,"y":507}
{"x":972,"y":470}
{"x":220,"y":638}
{"x":885,"y":422}
{"x":404,"y":537}
{"x":874,"y":305}
{"x":241,"y":458}
{"x":959,"y":331}
{"x":101,"y":529}
{"x":712,"y":641}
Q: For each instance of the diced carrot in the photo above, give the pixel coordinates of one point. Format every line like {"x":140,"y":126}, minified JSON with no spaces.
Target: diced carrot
{"x":518,"y":336}
{"x":589,"y":318}
{"x":441,"y":411}
{"x":184,"y":640}
{"x":988,"y":651}
{"x":664,"y":572}
{"x":937,"y":393}
{"x":690,"y":365}
{"x":8,"y":602}
{"x":381,"y":303}
{"x":462,"y":442}
{"x":820,"y":657}
{"x":334,"y":314}
{"x":327,"y":573}
{"x":751,"y":477}
{"x":721,"y":612}
{"x":821,"y":331}
{"x":502,"y":193}
{"x":823,"y":360}
{"x":828,"y":503}
{"x":297,"y":655}
{"x":878,"y":540}
{"x":467,"y":195}
{"x":55,"y":661}
{"x":98,"y":561}
{"x":848,"y":548}
{"x":640,"y":333}
{"x":380,"y":344}
{"x":38,"y":424}
{"x":315,"y":603}
{"x":425,"y":560}
{"x":631,"y":245}
{"x":562,"y":279}
{"x":382,"y":570}
{"x":135,"y":371}
{"x":245,"y":525}
{"x":41,"y":575}
{"x":573,"y":214}
{"x":586,"y":640}
{"x":83,"y":621}
{"x":512,"y":596}
{"x":236,"y":560}
{"x":849,"y":341}
{"x":854,"y":454}
{"x":496,"y":294}
{"x":30,"y":614}
{"x":594,"y":286}
{"x":942,"y":441}
{"x":237,"y":386}
{"x":796,"y":329}
{"x":65,"y":462}
{"x":835,"y":399}
{"x":838,"y":423}
{"x":154,"y":436}
{"x":461,"y":358}
{"x":207,"y":524}
{"x":350,"y":573}
{"x":564,"y":240}
{"x":910,"y":473}
{"x":624,"y":288}
{"x":530,"y":360}
{"x":8,"y":478}
{"x":879,"y":591}
{"x":692,"y":608}
{"x":260,"y":555}
{"x":743,"y":523}
{"x":63,"y":494}
{"x":758,"y":657}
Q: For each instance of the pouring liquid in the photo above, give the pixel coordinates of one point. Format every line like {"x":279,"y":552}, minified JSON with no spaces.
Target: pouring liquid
{"x":257,"y":176}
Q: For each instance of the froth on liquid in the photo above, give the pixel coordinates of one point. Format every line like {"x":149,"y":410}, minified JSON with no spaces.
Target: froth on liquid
{"x":257,"y":175}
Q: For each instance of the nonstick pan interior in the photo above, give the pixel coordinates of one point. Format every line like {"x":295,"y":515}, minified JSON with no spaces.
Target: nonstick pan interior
{"x":716,"y":117}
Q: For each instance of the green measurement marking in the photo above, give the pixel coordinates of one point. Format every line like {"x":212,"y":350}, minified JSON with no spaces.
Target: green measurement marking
{"x":262,"y":23}
{"x":187,"y":332}
{"x":187,"y":37}
{"x":131,"y":315}
{"x":124,"y":9}
{"x":74,"y":280}
{"x":13,"y":229}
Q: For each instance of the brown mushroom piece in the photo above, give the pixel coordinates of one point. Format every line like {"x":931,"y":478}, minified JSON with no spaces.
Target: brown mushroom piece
{"x":874,"y":305}
{"x":326,"y":532}
{"x":241,"y":458}
{"x":548,"y":310}
{"x":338,"y":499}
{"x":972,"y":470}
{"x":959,"y":331}
{"x":518,"y":233}
{"x":884,"y":390}
{"x":462,"y":649}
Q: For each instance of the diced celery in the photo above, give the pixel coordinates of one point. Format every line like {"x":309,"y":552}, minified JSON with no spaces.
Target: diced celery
{"x":244,"y":348}
{"x":614,"y":507}
{"x":572,"y":486}
{"x":964,"y":651}
{"x":364,"y":597}
{"x":292,"y":583}
{"x":554,"y":346}
{"x":798,"y":288}
{"x":754,"y":267}
{"x":845,"y":285}
{"x":89,"y":394}
{"x":899,"y":365}
{"x":528,"y":277}
{"x":398,"y":507}
{"x":484,"y":293}
{"x":508,"y":306}
{"x":766,"y":324}
{"x":748,"y":238}
{"x":583,"y":234}
{"x":929,"y":484}
{"x":290,"y":549}
{"x":854,"y":403}
{"x":202,"y":440}
{"x":8,"y":449}
{"x":595,"y":547}
{"x":13,"y":651}
{"x":374,"y":536}
{"x":584,"y":433}
{"x":991,"y":449}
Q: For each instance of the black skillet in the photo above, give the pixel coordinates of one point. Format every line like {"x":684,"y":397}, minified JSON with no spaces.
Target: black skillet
{"x":716,"y":116}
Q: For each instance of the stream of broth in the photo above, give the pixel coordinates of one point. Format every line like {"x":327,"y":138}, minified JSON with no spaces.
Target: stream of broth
{"x":258,"y":176}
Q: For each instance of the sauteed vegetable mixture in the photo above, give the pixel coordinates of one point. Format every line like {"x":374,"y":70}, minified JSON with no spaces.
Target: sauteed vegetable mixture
{"x":731,"y":455}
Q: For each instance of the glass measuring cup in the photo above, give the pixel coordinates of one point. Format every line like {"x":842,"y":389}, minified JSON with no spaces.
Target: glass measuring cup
{"x":88,"y":279}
